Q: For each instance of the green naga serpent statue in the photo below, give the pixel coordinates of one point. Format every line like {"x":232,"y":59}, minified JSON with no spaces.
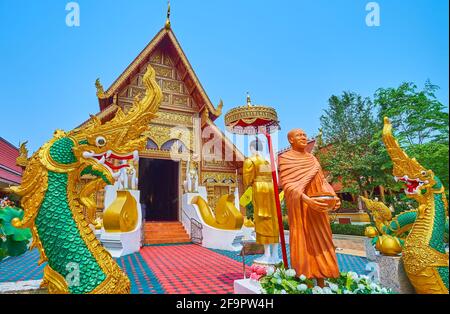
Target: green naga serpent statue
{"x":395,"y":229}
{"x":424,"y":255}
{"x":54,"y":210}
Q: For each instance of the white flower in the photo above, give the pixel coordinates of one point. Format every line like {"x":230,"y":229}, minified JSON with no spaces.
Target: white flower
{"x":302,"y":287}
{"x":270,"y":271}
{"x":290,"y":273}
{"x":277,"y":273}
{"x":317,"y":290}
{"x":361,"y":287}
{"x":279,"y":281}
{"x":327,"y":290}
{"x":333,"y":286}
{"x":373,"y":286}
{"x":283,"y":292}
{"x":302,"y":277}
{"x":347,"y":291}
{"x":384,"y":290}
{"x":352,"y":275}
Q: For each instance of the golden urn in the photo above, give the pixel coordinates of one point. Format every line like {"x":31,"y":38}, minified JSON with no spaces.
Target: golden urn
{"x":388,"y":245}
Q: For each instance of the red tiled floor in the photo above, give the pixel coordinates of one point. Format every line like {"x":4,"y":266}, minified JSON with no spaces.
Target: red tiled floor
{"x":185,"y":269}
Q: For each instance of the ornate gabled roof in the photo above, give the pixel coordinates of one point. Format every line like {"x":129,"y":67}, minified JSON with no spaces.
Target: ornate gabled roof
{"x":164,"y":37}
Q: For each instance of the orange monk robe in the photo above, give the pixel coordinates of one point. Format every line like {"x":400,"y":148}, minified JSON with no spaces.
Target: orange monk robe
{"x":311,"y":243}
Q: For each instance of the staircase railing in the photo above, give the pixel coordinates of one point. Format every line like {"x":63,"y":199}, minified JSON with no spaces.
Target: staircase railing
{"x":196,"y":229}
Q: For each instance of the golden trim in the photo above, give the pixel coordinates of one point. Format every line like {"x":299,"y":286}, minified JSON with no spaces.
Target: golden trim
{"x":54,"y":282}
{"x":249,"y":114}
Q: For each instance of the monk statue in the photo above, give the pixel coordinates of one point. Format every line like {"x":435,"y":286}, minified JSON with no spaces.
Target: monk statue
{"x":308,"y":197}
{"x":257,"y":173}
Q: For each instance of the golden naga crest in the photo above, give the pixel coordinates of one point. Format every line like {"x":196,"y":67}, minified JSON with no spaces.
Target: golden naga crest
{"x":124,"y":132}
{"x":102,"y":147}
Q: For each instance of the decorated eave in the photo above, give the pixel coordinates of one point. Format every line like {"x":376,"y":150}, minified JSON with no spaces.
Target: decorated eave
{"x":165,"y":37}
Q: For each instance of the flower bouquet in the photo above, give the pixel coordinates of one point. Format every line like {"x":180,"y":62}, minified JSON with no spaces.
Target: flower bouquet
{"x":284,"y":281}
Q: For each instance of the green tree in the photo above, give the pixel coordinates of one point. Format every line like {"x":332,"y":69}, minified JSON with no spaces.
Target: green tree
{"x":350,"y":154}
{"x":420,"y":122}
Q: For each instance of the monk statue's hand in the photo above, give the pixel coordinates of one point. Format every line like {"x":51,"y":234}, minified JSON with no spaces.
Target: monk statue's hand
{"x":315,"y":204}
{"x":338,"y":203}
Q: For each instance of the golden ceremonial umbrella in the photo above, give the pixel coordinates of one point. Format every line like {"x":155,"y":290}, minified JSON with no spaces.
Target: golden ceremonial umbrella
{"x":255,"y":119}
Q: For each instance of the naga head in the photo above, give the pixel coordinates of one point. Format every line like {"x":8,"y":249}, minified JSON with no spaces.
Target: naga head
{"x":101,"y":148}
{"x":380,"y":212}
{"x":418,"y":181}
{"x":96,"y":148}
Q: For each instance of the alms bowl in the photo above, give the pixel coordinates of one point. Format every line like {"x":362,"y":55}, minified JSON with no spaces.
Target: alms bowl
{"x":329,"y":199}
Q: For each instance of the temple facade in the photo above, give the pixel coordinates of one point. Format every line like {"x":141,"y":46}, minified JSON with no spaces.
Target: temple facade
{"x":183,"y":135}
{"x":10,"y":173}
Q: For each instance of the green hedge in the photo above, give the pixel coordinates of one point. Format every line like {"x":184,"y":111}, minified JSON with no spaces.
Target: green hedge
{"x":357,"y":230}
{"x":348,"y":229}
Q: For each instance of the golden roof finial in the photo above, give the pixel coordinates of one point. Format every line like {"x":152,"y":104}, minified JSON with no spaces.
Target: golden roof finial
{"x":167,"y":25}
{"x":22,"y":160}
{"x":100,"y":91}
{"x":249,"y":101}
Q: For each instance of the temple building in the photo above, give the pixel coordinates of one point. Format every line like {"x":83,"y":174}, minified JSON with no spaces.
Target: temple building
{"x":10,"y":173}
{"x":185,"y":123}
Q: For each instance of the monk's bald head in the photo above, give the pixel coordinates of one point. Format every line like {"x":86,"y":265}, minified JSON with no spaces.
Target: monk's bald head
{"x":292,"y":133}
{"x":298,"y":139}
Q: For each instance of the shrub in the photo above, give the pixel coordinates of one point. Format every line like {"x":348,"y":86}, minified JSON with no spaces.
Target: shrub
{"x":13,"y":241}
{"x":357,"y":230}
{"x":349,"y":205}
{"x":285,"y":223}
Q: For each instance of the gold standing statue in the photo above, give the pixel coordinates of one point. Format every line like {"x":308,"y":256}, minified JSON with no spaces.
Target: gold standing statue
{"x":257,"y":173}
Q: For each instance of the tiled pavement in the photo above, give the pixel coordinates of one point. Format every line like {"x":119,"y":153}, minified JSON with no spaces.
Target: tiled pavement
{"x":181,"y":269}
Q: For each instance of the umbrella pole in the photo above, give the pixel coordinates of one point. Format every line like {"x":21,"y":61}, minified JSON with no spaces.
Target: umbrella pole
{"x":277,"y":200}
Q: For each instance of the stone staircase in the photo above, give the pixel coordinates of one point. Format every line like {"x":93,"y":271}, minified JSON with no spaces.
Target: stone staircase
{"x":159,"y":232}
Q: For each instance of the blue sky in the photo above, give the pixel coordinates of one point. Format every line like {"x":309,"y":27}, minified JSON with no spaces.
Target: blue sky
{"x":292,"y":55}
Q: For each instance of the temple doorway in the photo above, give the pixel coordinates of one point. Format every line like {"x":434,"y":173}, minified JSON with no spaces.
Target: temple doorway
{"x":159,"y":186}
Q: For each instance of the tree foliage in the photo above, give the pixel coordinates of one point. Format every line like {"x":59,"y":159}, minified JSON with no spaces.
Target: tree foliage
{"x":350,"y":155}
{"x":420,"y":122}
{"x":352,"y":126}
{"x":416,"y":115}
